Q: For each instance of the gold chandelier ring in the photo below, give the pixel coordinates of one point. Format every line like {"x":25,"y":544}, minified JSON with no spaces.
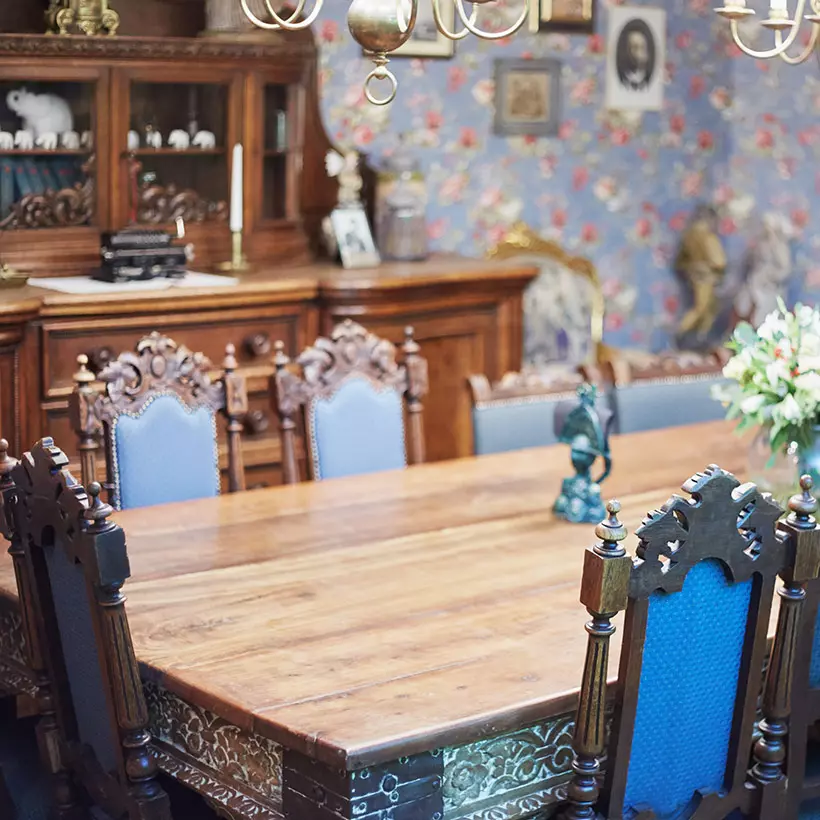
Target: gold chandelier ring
{"x":468,"y":23}
{"x":381,"y":72}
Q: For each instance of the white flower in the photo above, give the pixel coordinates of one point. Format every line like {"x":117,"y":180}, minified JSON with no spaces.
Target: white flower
{"x":790,"y":409}
{"x":809,"y":383}
{"x":751,"y":404}
{"x":735,"y":367}
{"x":809,"y":345}
{"x":776,"y":372}
{"x":773,"y":325}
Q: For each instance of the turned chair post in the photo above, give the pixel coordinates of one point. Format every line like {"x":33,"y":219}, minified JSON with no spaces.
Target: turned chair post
{"x":416,"y":367}
{"x":286,"y":410}
{"x":604,"y":592}
{"x":84,"y":419}
{"x":236,"y":408}
{"x":48,"y":735}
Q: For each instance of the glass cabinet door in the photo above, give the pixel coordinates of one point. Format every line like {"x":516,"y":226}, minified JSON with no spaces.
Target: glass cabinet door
{"x":48,"y":153}
{"x":177,"y":151}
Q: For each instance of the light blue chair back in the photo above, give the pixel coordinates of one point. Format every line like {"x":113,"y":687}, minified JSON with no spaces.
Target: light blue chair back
{"x":358,"y":429}
{"x":356,"y":402}
{"x":698,"y":597}
{"x":656,"y":404}
{"x":158,"y":415}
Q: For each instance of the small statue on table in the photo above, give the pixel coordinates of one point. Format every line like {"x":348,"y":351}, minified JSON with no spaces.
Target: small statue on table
{"x":585,"y":428}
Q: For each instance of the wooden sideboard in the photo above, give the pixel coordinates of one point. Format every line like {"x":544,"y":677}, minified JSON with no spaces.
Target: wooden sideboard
{"x":467,"y":315}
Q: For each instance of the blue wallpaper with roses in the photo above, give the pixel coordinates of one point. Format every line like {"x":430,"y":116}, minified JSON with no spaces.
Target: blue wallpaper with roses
{"x":617,"y":188}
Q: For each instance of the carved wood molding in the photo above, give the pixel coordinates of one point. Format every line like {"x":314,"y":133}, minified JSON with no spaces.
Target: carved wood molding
{"x":636,"y":366}
{"x":526,"y":385}
{"x":151,"y":48}
{"x":158,"y":204}
{"x":723,"y":520}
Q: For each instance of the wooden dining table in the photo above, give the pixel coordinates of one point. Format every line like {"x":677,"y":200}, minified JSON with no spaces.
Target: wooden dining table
{"x":408,"y":640}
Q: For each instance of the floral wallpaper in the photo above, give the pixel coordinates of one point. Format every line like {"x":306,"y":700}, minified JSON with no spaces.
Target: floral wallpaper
{"x":612,"y":187}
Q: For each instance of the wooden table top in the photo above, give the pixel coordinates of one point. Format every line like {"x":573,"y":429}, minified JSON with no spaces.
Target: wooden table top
{"x":362,"y":619}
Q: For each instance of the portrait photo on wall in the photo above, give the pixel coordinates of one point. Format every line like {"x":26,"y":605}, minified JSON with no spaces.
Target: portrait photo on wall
{"x":354,"y":240}
{"x":426,"y":40}
{"x":527,"y":97}
{"x":636,"y":56}
{"x":563,"y":15}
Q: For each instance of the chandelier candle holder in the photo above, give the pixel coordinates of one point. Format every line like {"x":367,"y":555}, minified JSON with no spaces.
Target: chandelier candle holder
{"x":786,"y":28}
{"x":382,"y":26}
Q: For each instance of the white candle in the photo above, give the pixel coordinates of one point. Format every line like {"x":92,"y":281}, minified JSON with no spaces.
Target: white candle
{"x":236,"y":190}
{"x":778,"y":5}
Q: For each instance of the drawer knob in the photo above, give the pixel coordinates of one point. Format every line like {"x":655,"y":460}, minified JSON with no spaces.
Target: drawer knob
{"x":256,"y":422}
{"x":258,"y":344}
{"x":99,"y":357}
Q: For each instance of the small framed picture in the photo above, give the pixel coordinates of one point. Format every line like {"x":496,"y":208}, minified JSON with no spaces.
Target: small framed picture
{"x":353,"y":238}
{"x":563,"y":15}
{"x":527,"y":97}
{"x":635,"y":59}
{"x":426,"y":40}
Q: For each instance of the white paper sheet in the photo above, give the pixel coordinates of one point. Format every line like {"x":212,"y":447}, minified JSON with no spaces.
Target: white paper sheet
{"x":86,"y":286}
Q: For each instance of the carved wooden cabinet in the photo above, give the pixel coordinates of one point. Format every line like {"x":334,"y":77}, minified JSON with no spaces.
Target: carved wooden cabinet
{"x":156,"y":121}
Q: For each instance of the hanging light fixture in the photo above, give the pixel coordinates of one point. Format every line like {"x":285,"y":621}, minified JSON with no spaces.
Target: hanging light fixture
{"x":785,"y":27}
{"x":381,"y":26}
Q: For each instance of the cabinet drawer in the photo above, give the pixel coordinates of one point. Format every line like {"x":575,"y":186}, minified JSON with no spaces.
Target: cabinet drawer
{"x":252,"y":333}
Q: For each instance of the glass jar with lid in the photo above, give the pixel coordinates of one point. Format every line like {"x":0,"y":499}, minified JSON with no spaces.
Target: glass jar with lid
{"x":402,"y":227}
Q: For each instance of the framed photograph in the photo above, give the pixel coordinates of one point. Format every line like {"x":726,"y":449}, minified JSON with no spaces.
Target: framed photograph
{"x":527,"y":97}
{"x":563,"y":15}
{"x":426,"y":40}
{"x":635,"y":59}
{"x":353,"y":238}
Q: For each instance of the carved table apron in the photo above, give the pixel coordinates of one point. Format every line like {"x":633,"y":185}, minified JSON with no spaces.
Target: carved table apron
{"x":407,"y":645}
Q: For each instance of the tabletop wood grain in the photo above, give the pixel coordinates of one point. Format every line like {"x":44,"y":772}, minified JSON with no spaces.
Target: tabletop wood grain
{"x":362,"y":619}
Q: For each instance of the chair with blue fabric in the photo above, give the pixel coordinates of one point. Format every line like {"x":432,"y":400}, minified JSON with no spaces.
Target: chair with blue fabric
{"x":70,"y":563}
{"x":155,"y":411}
{"x":519,"y":410}
{"x":655,"y":391}
{"x":698,"y":597}
{"x":353,"y":398}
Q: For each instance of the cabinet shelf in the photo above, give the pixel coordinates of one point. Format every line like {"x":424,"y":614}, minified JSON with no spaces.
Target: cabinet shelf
{"x":41,"y":152}
{"x":178,"y":152}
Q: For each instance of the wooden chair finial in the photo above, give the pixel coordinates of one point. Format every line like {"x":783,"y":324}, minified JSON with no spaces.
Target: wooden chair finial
{"x":98,"y":511}
{"x":611,"y":531}
{"x":6,"y":461}
{"x":229,"y":363}
{"x":803,"y":505}
{"x":83,"y":376}
{"x":280,"y":358}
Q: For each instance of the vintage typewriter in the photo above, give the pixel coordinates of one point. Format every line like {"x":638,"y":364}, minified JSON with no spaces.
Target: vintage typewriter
{"x":136,"y":254}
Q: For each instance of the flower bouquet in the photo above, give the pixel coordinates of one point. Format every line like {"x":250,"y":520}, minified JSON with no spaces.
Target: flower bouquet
{"x":776,"y":370}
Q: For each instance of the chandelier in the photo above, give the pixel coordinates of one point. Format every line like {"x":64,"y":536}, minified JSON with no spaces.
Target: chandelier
{"x":381,"y":26}
{"x":785,"y":27}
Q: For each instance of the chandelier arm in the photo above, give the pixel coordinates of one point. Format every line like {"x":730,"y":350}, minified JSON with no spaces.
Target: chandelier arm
{"x":494,"y":35}
{"x":410,"y":23}
{"x":281,"y":22}
{"x":806,"y":53}
{"x":442,"y":26}
{"x":777,"y":51}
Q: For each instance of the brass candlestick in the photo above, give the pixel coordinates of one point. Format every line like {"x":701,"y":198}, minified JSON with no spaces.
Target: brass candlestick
{"x":238,"y":261}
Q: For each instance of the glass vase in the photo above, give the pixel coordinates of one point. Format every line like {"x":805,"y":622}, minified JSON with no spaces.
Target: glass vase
{"x":779,"y":473}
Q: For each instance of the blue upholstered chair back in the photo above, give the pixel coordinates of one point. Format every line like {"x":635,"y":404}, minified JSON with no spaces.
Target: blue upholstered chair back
{"x":515,"y":424}
{"x":166,"y":452}
{"x":358,"y":429}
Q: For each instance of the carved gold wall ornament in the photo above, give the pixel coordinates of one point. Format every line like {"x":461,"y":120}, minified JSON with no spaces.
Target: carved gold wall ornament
{"x":91,"y":17}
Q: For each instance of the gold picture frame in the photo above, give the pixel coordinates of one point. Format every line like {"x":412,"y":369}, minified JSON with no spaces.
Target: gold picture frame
{"x":563,"y":15}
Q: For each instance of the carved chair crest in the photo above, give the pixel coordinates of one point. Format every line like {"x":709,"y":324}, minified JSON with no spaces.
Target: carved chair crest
{"x":734,"y":525}
{"x":636,"y":366}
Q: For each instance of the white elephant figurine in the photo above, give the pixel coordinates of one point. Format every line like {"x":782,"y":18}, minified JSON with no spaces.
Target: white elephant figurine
{"x":87,"y":139}
{"x":70,"y":140}
{"x":24,"y":140}
{"x":41,"y":113}
{"x":6,"y":141}
{"x":204,"y":140}
{"x":47,"y":141}
{"x":179,"y":139}
{"x":133,"y":141}
{"x":153,"y":139}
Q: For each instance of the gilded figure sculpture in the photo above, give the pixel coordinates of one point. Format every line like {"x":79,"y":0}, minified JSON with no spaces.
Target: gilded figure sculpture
{"x":89,"y":17}
{"x":701,"y":265}
{"x":586,"y":429}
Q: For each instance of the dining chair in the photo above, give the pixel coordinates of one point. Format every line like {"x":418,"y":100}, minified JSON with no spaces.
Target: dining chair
{"x":651,"y":392}
{"x":563,"y":306}
{"x":154,"y":409}
{"x":71,"y":562}
{"x":803,"y":764}
{"x":351,"y":397}
{"x":698,"y":596}
{"x":519,"y":410}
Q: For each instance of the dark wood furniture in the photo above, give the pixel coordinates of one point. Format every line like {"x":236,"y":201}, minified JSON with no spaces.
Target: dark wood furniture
{"x":70,"y":564}
{"x":466,"y":315}
{"x":801,"y":766}
{"x":130,"y":383}
{"x":712,"y":559}
{"x":322,"y":369}
{"x":320,"y":622}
